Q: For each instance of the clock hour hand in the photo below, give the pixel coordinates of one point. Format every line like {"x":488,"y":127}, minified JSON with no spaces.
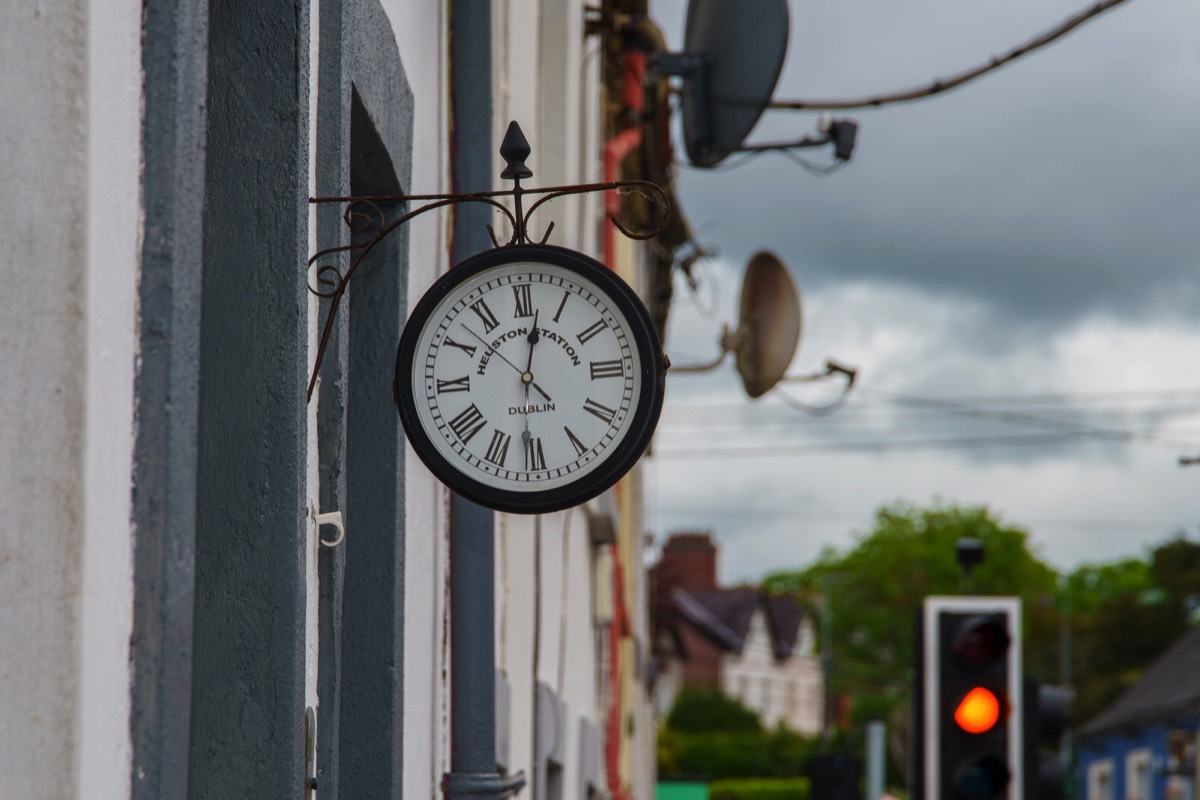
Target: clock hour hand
{"x":527,"y":375}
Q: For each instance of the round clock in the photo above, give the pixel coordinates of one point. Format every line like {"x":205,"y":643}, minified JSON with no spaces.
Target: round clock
{"x":529,"y":378}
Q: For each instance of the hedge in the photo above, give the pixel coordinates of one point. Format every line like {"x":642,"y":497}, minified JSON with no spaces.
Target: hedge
{"x":759,"y":789}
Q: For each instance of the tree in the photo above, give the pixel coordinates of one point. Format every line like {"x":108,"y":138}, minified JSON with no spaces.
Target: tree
{"x":871,"y":594}
{"x":874,"y":590}
{"x":1125,"y":615}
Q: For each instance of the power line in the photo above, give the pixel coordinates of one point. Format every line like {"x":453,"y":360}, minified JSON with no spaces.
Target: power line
{"x":872,"y":445}
{"x":940,"y":85}
{"x":758,"y":511}
{"x":1030,"y":420}
{"x":1065,"y":431}
{"x":878,"y":418}
{"x":1071,"y":400}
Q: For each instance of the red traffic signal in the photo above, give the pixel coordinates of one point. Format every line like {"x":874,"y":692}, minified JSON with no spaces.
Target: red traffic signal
{"x":978,"y":711}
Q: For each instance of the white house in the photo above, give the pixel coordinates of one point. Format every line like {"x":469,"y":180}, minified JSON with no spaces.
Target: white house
{"x":751,"y":645}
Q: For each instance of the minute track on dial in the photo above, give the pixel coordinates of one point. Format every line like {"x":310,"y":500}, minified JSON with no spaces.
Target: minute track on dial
{"x":575,"y":401}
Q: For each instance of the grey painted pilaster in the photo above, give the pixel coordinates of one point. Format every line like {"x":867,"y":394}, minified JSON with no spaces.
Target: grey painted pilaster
{"x":364,"y":146}
{"x":174,"y":50}
{"x":247,"y":726}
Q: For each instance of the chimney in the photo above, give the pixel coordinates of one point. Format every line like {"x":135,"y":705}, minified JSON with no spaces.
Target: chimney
{"x":689,"y":562}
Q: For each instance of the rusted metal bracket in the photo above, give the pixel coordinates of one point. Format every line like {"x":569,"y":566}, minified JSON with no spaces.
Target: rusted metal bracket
{"x":368,"y":223}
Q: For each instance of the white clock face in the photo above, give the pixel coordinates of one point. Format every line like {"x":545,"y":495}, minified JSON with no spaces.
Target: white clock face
{"x":527,"y":377}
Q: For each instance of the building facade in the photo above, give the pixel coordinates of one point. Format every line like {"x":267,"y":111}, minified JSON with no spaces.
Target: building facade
{"x":756,"y":647}
{"x":175,"y":622}
{"x":1144,"y":746}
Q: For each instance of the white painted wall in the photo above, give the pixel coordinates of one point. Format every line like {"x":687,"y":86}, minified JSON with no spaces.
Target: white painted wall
{"x":42,"y":321}
{"x":548,"y":615}
{"x":788,"y":691}
{"x":421,"y":37}
{"x":114,"y":230}
{"x":543,"y":80}
{"x":70,"y":223}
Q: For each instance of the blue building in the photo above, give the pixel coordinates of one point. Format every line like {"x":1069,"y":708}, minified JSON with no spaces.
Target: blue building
{"x":1143,"y":746}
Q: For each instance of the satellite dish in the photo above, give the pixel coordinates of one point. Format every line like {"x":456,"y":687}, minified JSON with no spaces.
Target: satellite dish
{"x":767,"y":336}
{"x":733,"y":54}
{"x":768,"y":324}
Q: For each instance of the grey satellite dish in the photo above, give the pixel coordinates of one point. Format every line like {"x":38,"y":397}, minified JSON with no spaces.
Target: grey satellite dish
{"x":768,"y":324}
{"x":768,"y":330}
{"x":768,"y":335}
{"x":733,"y":54}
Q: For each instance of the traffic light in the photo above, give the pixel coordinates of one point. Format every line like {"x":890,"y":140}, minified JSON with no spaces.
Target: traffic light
{"x":1046,"y":711}
{"x":972,"y":698}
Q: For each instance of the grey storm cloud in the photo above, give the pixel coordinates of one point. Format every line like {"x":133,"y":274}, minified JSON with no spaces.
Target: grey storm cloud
{"x":1034,"y":234}
{"x":1059,"y":186}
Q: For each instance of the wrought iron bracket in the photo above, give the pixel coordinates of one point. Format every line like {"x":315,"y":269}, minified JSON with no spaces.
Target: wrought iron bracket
{"x":369,"y":224}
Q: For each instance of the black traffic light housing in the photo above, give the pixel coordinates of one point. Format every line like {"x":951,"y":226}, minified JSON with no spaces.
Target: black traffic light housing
{"x":972,"y":699}
{"x":1046,"y":713}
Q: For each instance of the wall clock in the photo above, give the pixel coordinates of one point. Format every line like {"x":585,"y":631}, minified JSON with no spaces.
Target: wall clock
{"x":529,"y":378}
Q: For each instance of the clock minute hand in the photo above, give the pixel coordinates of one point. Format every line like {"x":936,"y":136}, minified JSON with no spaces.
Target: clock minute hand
{"x":491,"y":349}
{"x":511,"y":364}
{"x":532,"y":338}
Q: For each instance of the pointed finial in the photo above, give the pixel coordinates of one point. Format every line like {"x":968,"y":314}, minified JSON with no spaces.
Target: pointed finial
{"x":514,"y":150}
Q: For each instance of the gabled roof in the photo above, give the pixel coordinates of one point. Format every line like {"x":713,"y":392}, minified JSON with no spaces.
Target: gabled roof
{"x":1171,"y":685}
{"x":724,"y":616}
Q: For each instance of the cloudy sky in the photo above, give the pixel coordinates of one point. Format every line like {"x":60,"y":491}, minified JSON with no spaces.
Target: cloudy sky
{"x":1012,"y":266}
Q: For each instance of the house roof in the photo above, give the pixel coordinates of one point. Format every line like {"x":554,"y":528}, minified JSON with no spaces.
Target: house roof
{"x":724,"y":616}
{"x":1169,"y":686}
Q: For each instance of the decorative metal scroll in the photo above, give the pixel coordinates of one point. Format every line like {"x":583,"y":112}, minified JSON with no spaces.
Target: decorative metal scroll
{"x":367,"y":221}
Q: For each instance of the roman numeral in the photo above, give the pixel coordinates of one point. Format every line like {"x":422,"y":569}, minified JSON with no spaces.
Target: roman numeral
{"x":485,"y":315}
{"x":469,"y":349}
{"x":590,"y":331}
{"x":462,"y":384}
{"x":607,"y":369}
{"x":498,"y":450}
{"x":468,"y":423}
{"x":524,"y":296}
{"x":603,"y":412}
{"x":561,"y":306}
{"x":534,"y":457}
{"x":578,"y":445}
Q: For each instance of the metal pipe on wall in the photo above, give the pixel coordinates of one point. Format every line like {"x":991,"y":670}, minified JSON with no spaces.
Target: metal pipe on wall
{"x":472,"y":528}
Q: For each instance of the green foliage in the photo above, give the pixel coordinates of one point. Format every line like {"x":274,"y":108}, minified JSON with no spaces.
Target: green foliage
{"x":874,"y":590}
{"x":759,"y":789}
{"x":780,"y":753}
{"x":871,"y":595}
{"x":1094,"y":585}
{"x":708,"y":733}
{"x":697,"y":711}
{"x":1124,"y":615}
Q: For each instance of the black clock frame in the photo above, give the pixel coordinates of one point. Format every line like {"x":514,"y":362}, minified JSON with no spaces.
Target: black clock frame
{"x":616,"y":461}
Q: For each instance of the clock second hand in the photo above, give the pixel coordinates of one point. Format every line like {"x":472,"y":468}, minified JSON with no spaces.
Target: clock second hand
{"x":506,"y":361}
